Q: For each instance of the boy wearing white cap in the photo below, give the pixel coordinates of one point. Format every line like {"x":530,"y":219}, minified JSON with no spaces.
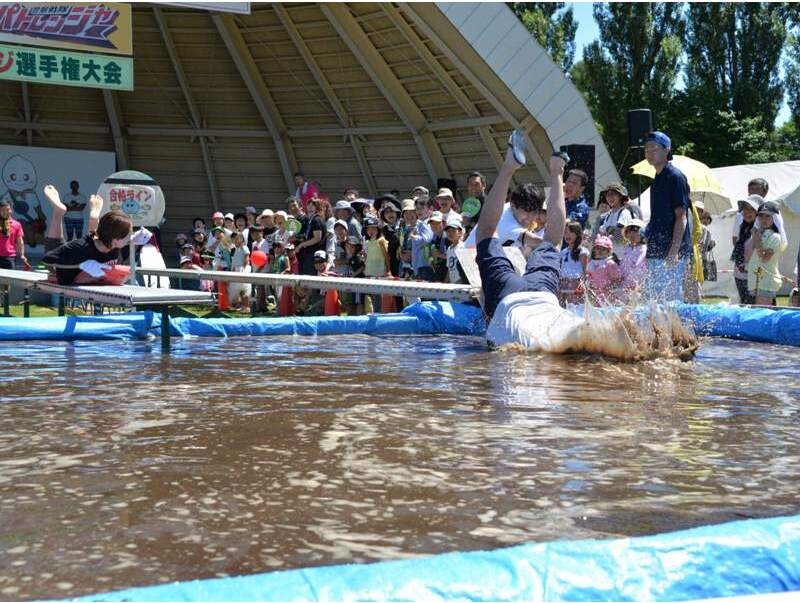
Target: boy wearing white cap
{"x":454,"y":230}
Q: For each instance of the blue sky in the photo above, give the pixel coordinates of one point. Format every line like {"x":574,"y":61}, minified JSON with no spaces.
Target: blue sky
{"x":588,"y":33}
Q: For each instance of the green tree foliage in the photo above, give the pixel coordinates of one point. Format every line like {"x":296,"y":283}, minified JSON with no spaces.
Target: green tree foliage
{"x":634,"y":64}
{"x":552,"y":26}
{"x":792,"y":68}
{"x":733,"y":52}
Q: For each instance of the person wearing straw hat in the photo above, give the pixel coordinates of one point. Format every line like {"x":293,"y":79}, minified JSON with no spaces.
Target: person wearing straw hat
{"x":617,"y":218}
{"x":446,"y":203}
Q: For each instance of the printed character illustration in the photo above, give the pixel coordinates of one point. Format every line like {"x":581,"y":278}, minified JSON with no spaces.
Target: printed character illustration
{"x":19,"y":178}
{"x":130,"y":207}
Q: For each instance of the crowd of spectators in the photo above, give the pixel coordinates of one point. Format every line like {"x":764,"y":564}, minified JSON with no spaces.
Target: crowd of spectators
{"x":616,"y":257}
{"x":610,"y":259}
{"x":416,"y":238}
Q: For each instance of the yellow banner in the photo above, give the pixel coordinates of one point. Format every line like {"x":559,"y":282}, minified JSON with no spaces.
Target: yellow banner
{"x":94,"y":27}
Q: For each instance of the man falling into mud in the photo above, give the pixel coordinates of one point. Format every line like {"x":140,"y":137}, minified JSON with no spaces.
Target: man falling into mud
{"x":524,"y":311}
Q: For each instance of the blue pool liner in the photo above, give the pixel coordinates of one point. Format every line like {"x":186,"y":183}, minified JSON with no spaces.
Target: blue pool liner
{"x":750,"y":324}
{"x":136,"y":325}
{"x":731,"y":559}
{"x":425,"y":318}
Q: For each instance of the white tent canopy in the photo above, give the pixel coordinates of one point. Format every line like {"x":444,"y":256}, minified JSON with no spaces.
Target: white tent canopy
{"x":784,"y":187}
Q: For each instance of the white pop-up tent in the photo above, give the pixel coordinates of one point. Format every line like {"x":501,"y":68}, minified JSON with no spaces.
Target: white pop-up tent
{"x":784,"y":187}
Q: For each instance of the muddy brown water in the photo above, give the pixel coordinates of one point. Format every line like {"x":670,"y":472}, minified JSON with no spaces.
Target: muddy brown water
{"x":121,"y":467}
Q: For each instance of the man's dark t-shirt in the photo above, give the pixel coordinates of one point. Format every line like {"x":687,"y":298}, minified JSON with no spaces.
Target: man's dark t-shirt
{"x":76,"y":252}
{"x":668,"y":191}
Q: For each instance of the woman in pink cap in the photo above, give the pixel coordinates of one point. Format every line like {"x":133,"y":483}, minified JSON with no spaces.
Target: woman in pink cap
{"x":603,"y":274}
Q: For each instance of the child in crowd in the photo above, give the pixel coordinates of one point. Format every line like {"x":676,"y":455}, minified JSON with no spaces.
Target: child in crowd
{"x":574,"y":261}
{"x":356,"y":263}
{"x":391,"y":232}
{"x":437,"y":250}
{"x":180,"y":240}
{"x":286,"y":305}
{"x":340,"y":263}
{"x":377,"y":256}
{"x":454,"y":232}
{"x":199,"y":224}
{"x":188,"y":250}
{"x":222,"y":254}
{"x":603,"y":209}
{"x":240,"y":221}
{"x":748,"y":208}
{"x":634,"y":263}
{"x":239,"y":293}
{"x":229,"y":223}
{"x":259,"y":243}
{"x":315,"y":299}
{"x":763,"y":276}
{"x":707,"y":244}
{"x":189,"y":284}
{"x":279,"y":261}
{"x":267,"y":221}
{"x":279,"y":234}
{"x":603,"y":273}
{"x":409,"y":222}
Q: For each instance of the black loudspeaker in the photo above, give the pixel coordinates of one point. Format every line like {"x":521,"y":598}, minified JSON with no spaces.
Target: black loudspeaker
{"x":581,"y":157}
{"x":640,"y":122}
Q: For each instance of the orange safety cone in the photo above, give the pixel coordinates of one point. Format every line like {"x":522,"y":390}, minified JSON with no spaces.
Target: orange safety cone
{"x":286,"y":303}
{"x":332,"y":307}
{"x":222,"y":296}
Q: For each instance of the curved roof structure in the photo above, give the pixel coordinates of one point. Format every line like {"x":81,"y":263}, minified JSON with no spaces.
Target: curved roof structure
{"x":379,"y":96}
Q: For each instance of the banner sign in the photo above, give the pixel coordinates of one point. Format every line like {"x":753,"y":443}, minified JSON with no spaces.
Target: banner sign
{"x":45,"y":66}
{"x":242,"y":8}
{"x":25,"y":171}
{"x":99,"y":26}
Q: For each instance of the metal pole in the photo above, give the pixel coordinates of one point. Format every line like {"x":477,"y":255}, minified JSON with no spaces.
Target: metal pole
{"x":132,"y":248}
{"x":639,"y":180}
{"x":165,"y":328}
{"x":26,"y":304}
{"x":61,"y":305}
{"x":6,"y":295}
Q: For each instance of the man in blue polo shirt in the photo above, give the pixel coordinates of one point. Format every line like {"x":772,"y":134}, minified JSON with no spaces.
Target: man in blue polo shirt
{"x":668,"y":237}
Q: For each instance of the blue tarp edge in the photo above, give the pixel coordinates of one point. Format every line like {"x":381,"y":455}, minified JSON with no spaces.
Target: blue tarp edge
{"x":751,"y":324}
{"x":730,"y":559}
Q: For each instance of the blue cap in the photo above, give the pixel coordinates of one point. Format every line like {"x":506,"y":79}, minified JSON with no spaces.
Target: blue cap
{"x":660,"y":138}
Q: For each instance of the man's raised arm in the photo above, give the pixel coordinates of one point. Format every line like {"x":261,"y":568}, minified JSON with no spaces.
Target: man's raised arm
{"x":556,"y":207}
{"x":496,"y":199}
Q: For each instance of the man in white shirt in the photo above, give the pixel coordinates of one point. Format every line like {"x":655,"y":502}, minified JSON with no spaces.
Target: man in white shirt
{"x":523,"y":310}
